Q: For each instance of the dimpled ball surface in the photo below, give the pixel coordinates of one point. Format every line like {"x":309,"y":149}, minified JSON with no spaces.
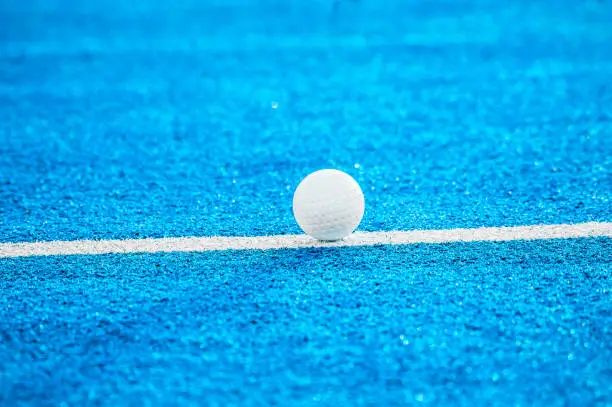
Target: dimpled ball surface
{"x":328,"y":205}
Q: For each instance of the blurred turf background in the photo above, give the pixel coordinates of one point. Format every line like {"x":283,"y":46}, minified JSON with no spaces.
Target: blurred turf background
{"x":156,"y":118}
{"x":150,"y":118}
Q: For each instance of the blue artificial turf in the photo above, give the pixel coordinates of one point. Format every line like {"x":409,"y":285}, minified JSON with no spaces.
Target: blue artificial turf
{"x":153,"y":119}
{"x":199,"y":117}
{"x":474,"y":324}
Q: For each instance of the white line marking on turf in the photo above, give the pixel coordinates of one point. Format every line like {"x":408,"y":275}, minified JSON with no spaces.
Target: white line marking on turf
{"x":206,"y":244}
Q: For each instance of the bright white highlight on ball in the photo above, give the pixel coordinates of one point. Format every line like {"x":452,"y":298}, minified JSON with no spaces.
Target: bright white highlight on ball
{"x":328,"y":205}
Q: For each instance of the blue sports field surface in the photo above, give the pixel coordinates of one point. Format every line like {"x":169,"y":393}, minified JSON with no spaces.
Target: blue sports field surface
{"x":199,"y":118}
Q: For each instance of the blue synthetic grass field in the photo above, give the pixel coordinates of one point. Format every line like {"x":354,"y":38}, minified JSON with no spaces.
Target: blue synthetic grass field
{"x":199,"y":118}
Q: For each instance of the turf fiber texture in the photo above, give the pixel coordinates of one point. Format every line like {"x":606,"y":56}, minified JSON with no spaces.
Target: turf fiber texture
{"x":150,"y":118}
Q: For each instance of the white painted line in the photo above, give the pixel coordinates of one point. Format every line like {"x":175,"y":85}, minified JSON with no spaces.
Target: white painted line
{"x":206,"y":244}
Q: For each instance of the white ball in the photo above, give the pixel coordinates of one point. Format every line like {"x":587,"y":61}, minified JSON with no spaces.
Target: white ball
{"x":328,"y":205}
